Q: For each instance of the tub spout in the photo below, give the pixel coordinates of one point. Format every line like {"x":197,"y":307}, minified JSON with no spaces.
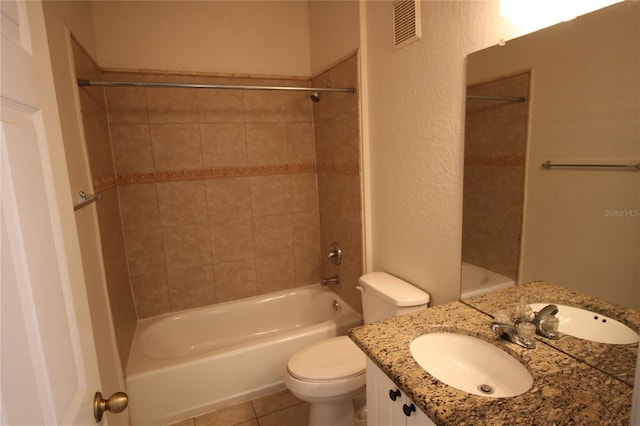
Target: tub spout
{"x":331,"y":280}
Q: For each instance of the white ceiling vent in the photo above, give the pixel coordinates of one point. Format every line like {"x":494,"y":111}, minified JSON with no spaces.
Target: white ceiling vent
{"x":406,"y":22}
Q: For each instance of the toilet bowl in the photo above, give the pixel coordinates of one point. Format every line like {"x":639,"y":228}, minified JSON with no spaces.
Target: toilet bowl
{"x":331,"y":373}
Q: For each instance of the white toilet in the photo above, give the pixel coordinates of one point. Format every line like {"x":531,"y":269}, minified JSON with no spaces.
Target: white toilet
{"x":329,"y":374}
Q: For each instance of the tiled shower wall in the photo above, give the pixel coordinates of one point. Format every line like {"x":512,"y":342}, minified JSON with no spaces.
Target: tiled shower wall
{"x":494,"y":166}
{"x":338,"y":150}
{"x":213,"y":195}
{"x":96,"y":130}
{"x":218,"y":189}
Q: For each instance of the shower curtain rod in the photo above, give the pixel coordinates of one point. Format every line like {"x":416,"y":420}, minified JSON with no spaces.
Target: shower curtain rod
{"x":498,"y":98}
{"x":84,"y":83}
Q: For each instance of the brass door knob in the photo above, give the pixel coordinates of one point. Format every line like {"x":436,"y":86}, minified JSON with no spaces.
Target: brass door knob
{"x":115,"y":404}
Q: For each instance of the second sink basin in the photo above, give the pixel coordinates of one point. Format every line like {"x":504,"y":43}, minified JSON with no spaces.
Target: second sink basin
{"x":589,"y":325}
{"x":471,"y":365}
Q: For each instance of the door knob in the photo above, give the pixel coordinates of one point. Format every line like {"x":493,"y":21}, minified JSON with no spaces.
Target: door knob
{"x":115,"y":404}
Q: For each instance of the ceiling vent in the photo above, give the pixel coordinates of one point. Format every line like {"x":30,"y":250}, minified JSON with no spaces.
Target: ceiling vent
{"x":406,"y":22}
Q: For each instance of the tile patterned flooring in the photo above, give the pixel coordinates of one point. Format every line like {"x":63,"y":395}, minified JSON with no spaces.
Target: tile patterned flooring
{"x":276,"y":409}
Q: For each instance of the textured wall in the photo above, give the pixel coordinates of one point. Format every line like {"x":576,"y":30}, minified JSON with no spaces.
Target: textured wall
{"x":415,"y":137}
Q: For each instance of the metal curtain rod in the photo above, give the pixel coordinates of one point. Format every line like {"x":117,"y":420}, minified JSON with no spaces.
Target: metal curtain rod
{"x":633,"y":167}
{"x":83,"y":83}
{"x":498,"y":98}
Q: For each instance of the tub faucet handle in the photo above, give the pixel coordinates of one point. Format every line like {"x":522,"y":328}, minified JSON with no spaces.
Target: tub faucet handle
{"x":335,"y":254}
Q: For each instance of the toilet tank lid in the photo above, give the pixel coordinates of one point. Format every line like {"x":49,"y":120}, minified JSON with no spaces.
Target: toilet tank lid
{"x":393,"y":289}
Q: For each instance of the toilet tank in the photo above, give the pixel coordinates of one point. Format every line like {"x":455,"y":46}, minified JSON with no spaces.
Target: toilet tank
{"x":385,"y":296}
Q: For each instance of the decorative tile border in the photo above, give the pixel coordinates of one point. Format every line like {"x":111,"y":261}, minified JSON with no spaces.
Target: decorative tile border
{"x":103,"y":183}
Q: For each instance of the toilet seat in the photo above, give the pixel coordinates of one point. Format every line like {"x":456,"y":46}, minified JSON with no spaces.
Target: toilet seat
{"x":329,"y":360}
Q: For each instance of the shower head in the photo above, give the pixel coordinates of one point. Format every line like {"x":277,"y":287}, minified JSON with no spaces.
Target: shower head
{"x":315,"y":96}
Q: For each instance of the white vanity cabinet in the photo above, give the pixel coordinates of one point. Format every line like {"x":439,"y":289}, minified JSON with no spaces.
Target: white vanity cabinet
{"x":387,"y":405}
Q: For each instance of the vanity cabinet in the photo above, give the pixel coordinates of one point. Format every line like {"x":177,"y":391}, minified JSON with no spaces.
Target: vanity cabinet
{"x":387,"y":405}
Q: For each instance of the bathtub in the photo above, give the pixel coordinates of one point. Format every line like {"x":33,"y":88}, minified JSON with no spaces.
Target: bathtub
{"x":187,"y":363}
{"x":476,"y":281}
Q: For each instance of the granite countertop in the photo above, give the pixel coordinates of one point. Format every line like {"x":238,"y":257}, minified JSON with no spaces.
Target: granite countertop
{"x":617,"y":360}
{"x":565,"y":391}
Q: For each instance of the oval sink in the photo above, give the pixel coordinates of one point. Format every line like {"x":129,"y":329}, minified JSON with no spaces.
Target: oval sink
{"x":590,"y":325}
{"x":471,"y":365}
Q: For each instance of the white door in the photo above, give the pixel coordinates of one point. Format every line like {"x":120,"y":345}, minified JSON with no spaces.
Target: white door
{"x":49,"y":372}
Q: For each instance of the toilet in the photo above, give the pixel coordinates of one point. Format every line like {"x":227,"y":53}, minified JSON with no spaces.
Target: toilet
{"x":331,"y":373}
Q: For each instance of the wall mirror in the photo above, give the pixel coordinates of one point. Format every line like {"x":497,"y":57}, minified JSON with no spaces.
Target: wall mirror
{"x":578,"y":225}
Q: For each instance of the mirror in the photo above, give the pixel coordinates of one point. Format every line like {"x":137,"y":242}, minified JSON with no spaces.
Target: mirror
{"x":578,"y":227}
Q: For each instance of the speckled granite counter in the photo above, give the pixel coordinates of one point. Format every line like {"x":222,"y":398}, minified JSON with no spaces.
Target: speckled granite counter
{"x":617,"y":360}
{"x":565,"y":390}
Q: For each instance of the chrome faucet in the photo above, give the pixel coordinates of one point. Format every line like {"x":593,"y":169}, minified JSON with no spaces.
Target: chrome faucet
{"x":331,"y":280}
{"x":542,"y":322}
{"x":510,"y":333}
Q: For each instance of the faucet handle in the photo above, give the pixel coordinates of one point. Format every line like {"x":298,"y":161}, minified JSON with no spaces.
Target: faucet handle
{"x":335,"y":254}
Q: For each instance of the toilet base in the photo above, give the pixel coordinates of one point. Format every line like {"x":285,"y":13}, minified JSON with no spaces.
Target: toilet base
{"x":334,"y":414}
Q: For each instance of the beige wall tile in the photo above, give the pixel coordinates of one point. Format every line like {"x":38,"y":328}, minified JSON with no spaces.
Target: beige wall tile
{"x":191,"y":288}
{"x":176,"y":146}
{"x":182,"y":203}
{"x":126,"y":104}
{"x":96,"y":129}
{"x":298,"y":105}
{"x":152,"y":295}
{"x":308,"y":269}
{"x":139,"y":207}
{"x":306,"y":231}
{"x":235,"y":280}
{"x":270,"y":195}
{"x":229,"y":198}
{"x":267,"y":144}
{"x":231,"y":239}
{"x":224,"y":145}
{"x":220,"y":106}
{"x":172,"y":105}
{"x":186,"y":246}
{"x":301,"y":142}
{"x":132,"y":149}
{"x":347,"y":139}
{"x":273,"y":234}
{"x":304,"y":192}
{"x":275,"y":272}
{"x":264,"y":106}
{"x":145,"y":252}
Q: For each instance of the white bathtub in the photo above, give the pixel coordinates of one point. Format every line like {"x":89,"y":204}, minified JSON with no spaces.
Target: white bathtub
{"x":191,"y":362}
{"x":476,"y":281}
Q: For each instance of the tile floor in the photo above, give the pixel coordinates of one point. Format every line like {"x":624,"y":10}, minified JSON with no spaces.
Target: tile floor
{"x":276,"y":409}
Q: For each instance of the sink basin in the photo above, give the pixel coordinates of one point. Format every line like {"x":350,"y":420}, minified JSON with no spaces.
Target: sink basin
{"x":471,"y":365}
{"x":590,"y":325}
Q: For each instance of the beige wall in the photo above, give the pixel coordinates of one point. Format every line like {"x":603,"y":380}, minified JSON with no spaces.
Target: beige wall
{"x":414,"y":139}
{"x":249,"y":37}
{"x":585,"y":108}
{"x":334,"y":31}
